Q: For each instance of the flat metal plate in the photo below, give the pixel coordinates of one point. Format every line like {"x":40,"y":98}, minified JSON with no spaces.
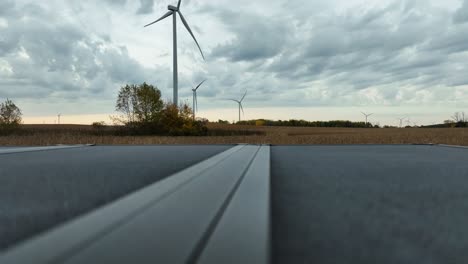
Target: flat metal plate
{"x":369,"y":204}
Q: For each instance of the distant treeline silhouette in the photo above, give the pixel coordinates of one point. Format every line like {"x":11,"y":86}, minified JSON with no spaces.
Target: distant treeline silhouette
{"x":304,"y":123}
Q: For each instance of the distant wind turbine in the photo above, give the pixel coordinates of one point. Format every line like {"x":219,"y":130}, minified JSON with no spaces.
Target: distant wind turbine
{"x":240,"y":104}
{"x":195,"y":99}
{"x":367,"y":116}
{"x":59,"y":115}
{"x":173,"y":10}
{"x":401,"y":121}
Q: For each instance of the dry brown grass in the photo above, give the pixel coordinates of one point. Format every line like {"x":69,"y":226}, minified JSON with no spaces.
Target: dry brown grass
{"x":71,"y":134}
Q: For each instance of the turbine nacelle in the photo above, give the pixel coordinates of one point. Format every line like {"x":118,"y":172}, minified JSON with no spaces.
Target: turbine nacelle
{"x":173,"y":8}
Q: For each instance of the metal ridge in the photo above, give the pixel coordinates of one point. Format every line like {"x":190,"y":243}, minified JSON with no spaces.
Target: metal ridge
{"x":165,"y":222}
{"x":452,"y":146}
{"x":245,"y":224}
{"x":15,"y":150}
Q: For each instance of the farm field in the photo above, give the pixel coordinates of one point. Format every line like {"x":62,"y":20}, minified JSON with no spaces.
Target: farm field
{"x":40,"y":135}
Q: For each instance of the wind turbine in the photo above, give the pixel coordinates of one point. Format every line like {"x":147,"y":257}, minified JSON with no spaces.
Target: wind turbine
{"x":173,"y":11}
{"x":367,"y":116}
{"x":59,"y":115}
{"x":401,"y":121}
{"x":195,"y":99}
{"x":240,"y":104}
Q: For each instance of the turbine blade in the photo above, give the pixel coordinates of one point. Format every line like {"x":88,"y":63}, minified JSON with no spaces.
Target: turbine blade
{"x":178,"y":4}
{"x":243,"y":96}
{"x":200,"y":85}
{"x":242,"y":108}
{"x":191,"y":33}
{"x":163,"y":17}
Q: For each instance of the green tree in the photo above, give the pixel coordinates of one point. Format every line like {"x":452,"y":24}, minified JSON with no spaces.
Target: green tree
{"x":139,"y":104}
{"x":10,"y":114}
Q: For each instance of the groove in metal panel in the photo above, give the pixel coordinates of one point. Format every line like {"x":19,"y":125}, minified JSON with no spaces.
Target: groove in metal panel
{"x":35,"y":149}
{"x":67,"y":239}
{"x":168,"y":231}
{"x":452,"y":146}
{"x":197,"y":251}
{"x":243,"y":233}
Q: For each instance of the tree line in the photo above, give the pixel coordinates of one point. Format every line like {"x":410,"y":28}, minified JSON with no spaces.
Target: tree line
{"x":304,"y":123}
{"x":142,"y":111}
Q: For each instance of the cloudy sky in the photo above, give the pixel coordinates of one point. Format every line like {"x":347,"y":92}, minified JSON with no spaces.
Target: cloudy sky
{"x":310,"y":59}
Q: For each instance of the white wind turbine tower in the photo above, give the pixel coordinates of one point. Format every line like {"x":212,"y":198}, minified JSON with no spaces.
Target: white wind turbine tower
{"x":59,"y":115}
{"x":195,"y":99}
{"x":401,"y":121}
{"x":173,"y":11}
{"x":240,"y":104}
{"x":367,"y":116}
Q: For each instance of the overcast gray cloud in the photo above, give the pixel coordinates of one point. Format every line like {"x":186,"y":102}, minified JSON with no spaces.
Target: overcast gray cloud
{"x":116,"y":2}
{"x":55,"y":58}
{"x":6,"y":6}
{"x":255,"y":37}
{"x":319,"y":53}
{"x":146,"y":7}
{"x":461,"y":16}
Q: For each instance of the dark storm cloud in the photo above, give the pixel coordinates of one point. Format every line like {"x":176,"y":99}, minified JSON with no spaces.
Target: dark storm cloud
{"x":395,"y":46}
{"x":392,"y":54}
{"x":461,"y":16}
{"x":146,"y":7}
{"x":6,"y":6}
{"x":49,"y":57}
{"x":255,"y":37}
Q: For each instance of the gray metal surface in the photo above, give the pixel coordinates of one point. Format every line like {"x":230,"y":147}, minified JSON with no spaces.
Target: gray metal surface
{"x":329,"y":204}
{"x":243,"y":233}
{"x":39,"y":190}
{"x":167,"y":222}
{"x":370,"y":204}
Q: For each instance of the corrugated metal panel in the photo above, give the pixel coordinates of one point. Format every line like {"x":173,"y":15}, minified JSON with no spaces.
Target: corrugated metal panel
{"x":172,"y":221}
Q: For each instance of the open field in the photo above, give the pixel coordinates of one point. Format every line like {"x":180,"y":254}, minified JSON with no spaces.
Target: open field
{"x":231,"y":134}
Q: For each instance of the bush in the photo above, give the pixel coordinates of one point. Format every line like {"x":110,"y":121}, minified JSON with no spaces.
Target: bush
{"x":225,"y":122}
{"x":260,"y":123}
{"x":178,"y":121}
{"x":98,"y":127}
